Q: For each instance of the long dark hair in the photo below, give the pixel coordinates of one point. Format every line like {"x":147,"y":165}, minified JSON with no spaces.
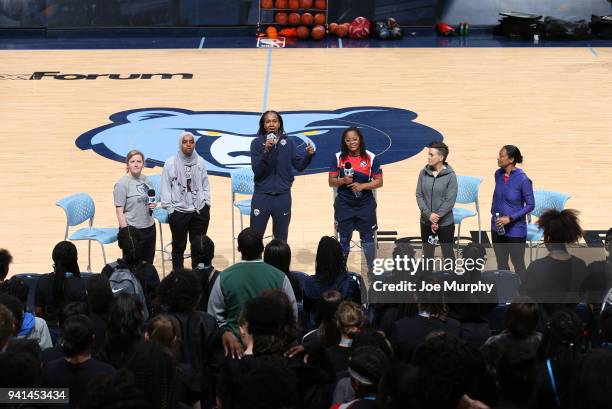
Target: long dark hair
{"x":344,"y":150}
{"x":278,"y":254}
{"x":329,"y":262}
{"x":65,"y":260}
{"x":262,"y":128}
{"x":125,"y":327}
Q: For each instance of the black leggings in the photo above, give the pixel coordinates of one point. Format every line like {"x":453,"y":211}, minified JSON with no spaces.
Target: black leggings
{"x":509,"y":247}
{"x":147,"y":236}
{"x":446,"y":238}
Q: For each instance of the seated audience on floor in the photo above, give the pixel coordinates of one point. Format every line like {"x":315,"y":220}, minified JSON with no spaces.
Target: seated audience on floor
{"x":555,"y":281}
{"x":77,"y":368}
{"x":132,"y":273}
{"x":277,"y":253}
{"x":32,"y":327}
{"x":203,"y":252}
{"x":325,"y":311}
{"x":179,"y":294}
{"x":330,"y":274}
{"x":59,"y":287}
{"x":5,"y":260}
{"x":241,"y":282}
{"x":559,"y":352}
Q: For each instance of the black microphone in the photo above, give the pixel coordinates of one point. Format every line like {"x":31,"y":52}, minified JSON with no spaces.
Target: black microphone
{"x":151,"y":194}
{"x":348,"y":169}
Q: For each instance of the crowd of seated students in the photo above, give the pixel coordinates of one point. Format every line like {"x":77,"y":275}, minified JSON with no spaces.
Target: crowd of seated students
{"x":269,"y":337}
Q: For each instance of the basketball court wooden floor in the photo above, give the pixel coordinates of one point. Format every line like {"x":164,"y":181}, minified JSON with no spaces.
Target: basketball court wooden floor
{"x":553,"y":103}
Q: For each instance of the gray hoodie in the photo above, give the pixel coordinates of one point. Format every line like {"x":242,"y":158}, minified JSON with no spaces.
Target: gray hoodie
{"x":437,"y":194}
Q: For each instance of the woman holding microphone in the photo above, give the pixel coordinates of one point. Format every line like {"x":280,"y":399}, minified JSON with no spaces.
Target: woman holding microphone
{"x":355,"y":172}
{"x":436,"y":193}
{"x":273,"y":157}
{"x":131,"y":195}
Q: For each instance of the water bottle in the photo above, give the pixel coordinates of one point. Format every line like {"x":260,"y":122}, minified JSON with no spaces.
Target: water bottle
{"x":500,"y":230}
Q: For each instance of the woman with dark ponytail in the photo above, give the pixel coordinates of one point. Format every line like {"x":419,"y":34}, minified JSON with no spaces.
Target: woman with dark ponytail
{"x":512,"y":200}
{"x":60,"y":287}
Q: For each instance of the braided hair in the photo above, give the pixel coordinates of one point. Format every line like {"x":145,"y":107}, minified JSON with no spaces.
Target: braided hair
{"x":329,"y":262}
{"x":65,"y":260}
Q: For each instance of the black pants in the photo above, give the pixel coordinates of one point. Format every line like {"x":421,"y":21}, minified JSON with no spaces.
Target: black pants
{"x":183,"y":223}
{"x":446,"y":237}
{"x":147,"y":240}
{"x":509,"y":247}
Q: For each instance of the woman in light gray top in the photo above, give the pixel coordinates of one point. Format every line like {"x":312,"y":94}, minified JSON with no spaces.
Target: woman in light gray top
{"x":185,"y":193}
{"x":436,"y":194}
{"x":132,"y":202}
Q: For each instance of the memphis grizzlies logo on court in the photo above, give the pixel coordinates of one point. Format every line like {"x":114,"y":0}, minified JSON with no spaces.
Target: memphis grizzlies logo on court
{"x":223,"y":138}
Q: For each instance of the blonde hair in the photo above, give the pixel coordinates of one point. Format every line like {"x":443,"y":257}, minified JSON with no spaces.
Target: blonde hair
{"x":349,"y":318}
{"x":130,"y":155}
{"x":164,"y":329}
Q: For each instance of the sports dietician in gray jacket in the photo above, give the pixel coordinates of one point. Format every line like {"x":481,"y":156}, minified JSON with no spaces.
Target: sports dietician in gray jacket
{"x":185,"y":194}
{"x":436,"y":193}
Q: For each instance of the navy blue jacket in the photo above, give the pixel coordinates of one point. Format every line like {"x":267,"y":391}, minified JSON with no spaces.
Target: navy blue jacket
{"x":274,"y":172}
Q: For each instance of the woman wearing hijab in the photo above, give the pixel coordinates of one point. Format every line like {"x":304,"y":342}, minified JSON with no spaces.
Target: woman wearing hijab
{"x":185,"y":194}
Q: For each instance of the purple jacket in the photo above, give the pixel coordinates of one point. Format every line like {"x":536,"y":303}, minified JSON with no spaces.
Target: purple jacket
{"x":514,"y":199}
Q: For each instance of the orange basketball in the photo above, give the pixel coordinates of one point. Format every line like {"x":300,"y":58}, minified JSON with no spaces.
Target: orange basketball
{"x":342,"y":30}
{"x":333,"y":27}
{"x":303,"y":32}
{"x":294,"y":4}
{"x":294,"y":19}
{"x":272,"y":32}
{"x":281,"y":4}
{"x":280,"y":18}
{"x":306,"y":4}
{"x":307,"y":19}
{"x":318,"y":33}
{"x":267,"y":4}
{"x":319,"y":18}
{"x":320,"y":4}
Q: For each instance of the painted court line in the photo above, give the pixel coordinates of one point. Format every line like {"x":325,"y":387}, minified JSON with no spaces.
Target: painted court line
{"x":202,"y":42}
{"x":267,"y":82}
{"x":592,"y":50}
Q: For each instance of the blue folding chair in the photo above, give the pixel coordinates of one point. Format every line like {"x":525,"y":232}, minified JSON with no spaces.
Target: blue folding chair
{"x":161,"y":215}
{"x":79,"y":208}
{"x":243,"y":183}
{"x":544,"y":200}
{"x":467,"y":192}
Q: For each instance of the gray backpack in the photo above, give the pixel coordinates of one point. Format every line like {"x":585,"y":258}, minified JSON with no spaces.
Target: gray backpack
{"x":123,"y":280}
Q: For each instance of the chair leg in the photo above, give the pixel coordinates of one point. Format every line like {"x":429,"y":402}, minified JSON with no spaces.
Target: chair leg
{"x":530,"y":252}
{"x":479,"y":230}
{"x":233,"y":236}
{"x":458,"y":238}
{"x":89,"y":255}
{"x":161,"y":249}
{"x":103,"y":253}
